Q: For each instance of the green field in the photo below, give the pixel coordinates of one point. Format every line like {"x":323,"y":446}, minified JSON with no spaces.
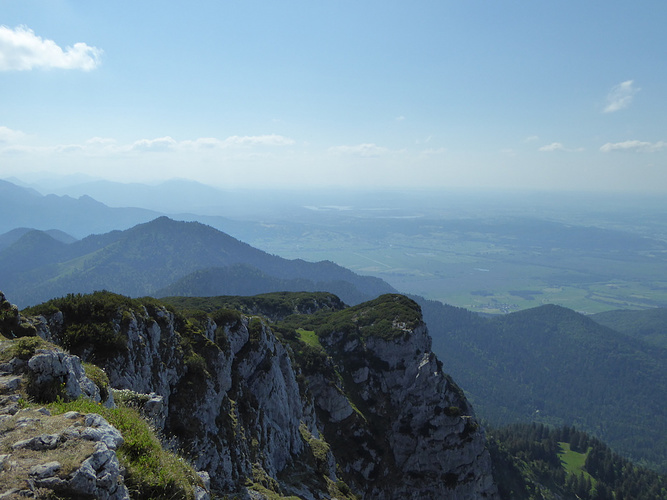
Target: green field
{"x":490,"y":253}
{"x":490,"y":273}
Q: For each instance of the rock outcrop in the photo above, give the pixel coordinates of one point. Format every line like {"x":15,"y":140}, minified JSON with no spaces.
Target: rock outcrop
{"x":72,"y":454}
{"x":375,"y":416}
{"x":416,"y":434}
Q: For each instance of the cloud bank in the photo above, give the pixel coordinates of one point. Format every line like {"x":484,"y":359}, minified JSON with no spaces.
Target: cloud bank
{"x":554,"y":146}
{"x":167,"y":144}
{"x":22,"y":50}
{"x":634,"y":146}
{"x":366,"y":150}
{"x":557,"y":146}
{"x":8,"y":136}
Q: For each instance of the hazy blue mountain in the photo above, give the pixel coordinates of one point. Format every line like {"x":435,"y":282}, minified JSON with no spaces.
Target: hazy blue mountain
{"x":25,"y":207}
{"x":552,"y":365}
{"x":241,"y":279}
{"x":14,"y":235}
{"x":172,"y":196}
{"x":649,"y":325}
{"x":145,"y":259}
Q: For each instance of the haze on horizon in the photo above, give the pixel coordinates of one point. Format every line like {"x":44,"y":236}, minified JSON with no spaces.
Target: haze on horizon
{"x":508,"y":95}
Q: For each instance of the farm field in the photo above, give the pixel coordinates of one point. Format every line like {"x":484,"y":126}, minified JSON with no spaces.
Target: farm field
{"x":492,"y":261}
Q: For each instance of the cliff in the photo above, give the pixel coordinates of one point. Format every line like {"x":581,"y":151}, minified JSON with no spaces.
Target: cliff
{"x":330,"y":404}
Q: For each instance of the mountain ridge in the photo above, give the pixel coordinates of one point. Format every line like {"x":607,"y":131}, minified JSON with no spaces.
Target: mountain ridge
{"x":80,"y":217}
{"x":150,"y":256}
{"x":242,"y":401}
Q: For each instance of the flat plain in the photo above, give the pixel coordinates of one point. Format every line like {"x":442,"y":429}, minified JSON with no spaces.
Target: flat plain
{"x":494,"y":256}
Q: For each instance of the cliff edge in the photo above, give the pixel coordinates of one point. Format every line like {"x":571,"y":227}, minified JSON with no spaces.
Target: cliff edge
{"x":337,"y":403}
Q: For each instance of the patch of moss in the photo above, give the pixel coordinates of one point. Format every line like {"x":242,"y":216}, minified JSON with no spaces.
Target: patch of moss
{"x":319,"y":449}
{"x":99,"y":378}
{"x":265,"y":484}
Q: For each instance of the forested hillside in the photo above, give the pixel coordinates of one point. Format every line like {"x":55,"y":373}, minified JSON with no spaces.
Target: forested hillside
{"x":159,"y":258}
{"x":649,"y":325}
{"x":553,"y":365}
{"x":533,"y":461}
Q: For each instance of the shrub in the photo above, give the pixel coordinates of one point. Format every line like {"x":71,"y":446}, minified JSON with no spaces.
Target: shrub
{"x":100,"y":338}
{"x":25,"y":347}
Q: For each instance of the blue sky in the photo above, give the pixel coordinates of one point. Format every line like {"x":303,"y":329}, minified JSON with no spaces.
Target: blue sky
{"x":505,"y":94}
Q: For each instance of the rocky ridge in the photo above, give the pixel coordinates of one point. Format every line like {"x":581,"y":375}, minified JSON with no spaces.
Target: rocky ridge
{"x":378,"y":418}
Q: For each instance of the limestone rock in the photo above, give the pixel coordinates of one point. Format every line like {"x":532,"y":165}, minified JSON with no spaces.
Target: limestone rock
{"x":393,"y":425}
{"x":54,"y":372}
{"x":408,"y":442}
{"x":99,"y":476}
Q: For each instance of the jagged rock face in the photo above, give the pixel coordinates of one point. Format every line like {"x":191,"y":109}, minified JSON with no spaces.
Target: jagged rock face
{"x":229,"y":409}
{"x":395,"y":426}
{"x":411,"y":432}
{"x":47,"y":366}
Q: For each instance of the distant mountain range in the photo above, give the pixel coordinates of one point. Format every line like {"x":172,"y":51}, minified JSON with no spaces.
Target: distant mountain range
{"x":547,"y":364}
{"x":74,"y":212}
{"x":165,"y":257}
{"x":14,"y":235}
{"x":170,"y":197}
{"x":25,"y":207}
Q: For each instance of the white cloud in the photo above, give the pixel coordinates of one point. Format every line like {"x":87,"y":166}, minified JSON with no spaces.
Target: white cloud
{"x":635,"y":146}
{"x":154,"y":145}
{"x":236,"y":141}
{"x":104,"y":145}
{"x":399,"y":118}
{"x":557,"y":146}
{"x":366,"y":150}
{"x":252,"y":140}
{"x":69,"y":148}
{"x":16,"y":150}
{"x":531,"y":138}
{"x":102,"y":141}
{"x":21,"y":50}
{"x":9,"y":136}
{"x":620,"y":96}
{"x":554,"y":146}
{"x":201,"y":143}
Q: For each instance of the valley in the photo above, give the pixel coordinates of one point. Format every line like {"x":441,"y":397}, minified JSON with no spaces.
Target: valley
{"x":536,"y":354}
{"x":486,"y":260}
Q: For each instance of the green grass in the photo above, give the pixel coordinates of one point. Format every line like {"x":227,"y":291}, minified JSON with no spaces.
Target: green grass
{"x":23,"y":348}
{"x":573,"y":462}
{"x":310,"y":338}
{"x":99,"y":378}
{"x":152,"y":472}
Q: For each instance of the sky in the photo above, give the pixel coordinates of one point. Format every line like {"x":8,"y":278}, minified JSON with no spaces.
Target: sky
{"x":535,"y":95}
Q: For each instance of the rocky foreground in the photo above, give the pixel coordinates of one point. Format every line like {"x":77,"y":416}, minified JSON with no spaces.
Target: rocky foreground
{"x":374,"y":416}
